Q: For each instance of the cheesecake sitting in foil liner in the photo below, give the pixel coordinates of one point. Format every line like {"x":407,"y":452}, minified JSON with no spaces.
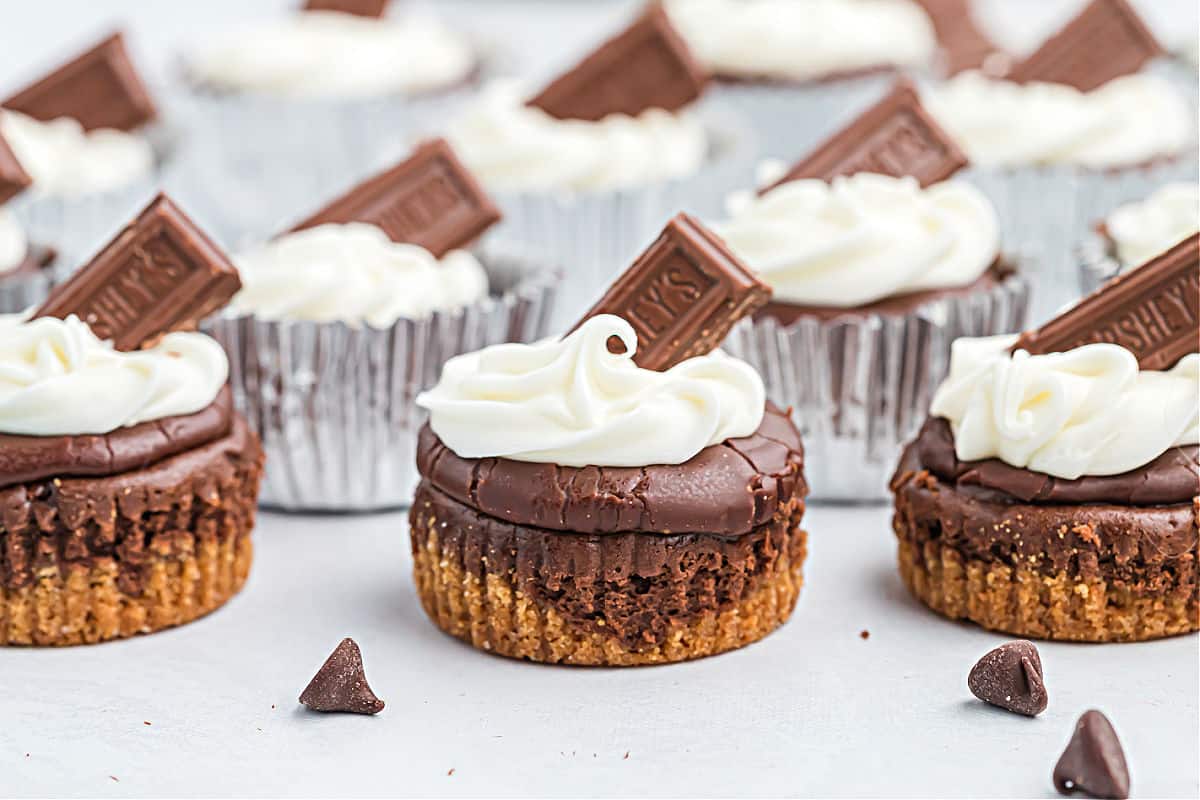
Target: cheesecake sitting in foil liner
{"x":859,"y":386}
{"x":335,"y":405}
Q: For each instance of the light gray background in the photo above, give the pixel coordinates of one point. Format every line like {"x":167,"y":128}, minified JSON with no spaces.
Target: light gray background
{"x":813,"y":710}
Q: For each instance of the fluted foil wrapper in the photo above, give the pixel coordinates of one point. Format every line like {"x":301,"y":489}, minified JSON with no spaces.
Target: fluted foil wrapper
{"x":19,"y":292}
{"x":791,"y":119}
{"x":860,"y":387}
{"x":596,"y":235}
{"x":1046,"y":211}
{"x":262,"y":161}
{"x":1097,"y":263}
{"x":335,"y":405}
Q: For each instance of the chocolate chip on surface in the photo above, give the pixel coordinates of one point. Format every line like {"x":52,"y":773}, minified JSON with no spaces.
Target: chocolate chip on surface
{"x":1093,"y":762}
{"x":1011,"y":677}
{"x":341,"y":684}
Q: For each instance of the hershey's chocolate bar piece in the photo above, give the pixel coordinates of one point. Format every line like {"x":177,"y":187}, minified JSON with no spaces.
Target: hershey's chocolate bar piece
{"x":429,"y":199}
{"x":361,"y":8}
{"x":682,"y":295}
{"x":962,"y":42}
{"x":896,"y":136}
{"x":1106,"y":40}
{"x":13,"y":178}
{"x":1152,"y":311}
{"x":160,"y":274}
{"x":100,"y":89}
{"x":648,"y":65}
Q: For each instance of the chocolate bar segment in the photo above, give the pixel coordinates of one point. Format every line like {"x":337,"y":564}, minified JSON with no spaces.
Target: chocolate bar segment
{"x":100,"y":89}
{"x":896,"y":136}
{"x":962,"y":42}
{"x":1152,"y":311}
{"x":648,"y":65}
{"x":682,"y":295}
{"x":160,"y":274}
{"x":1106,"y":40}
{"x":429,"y":199}
{"x":13,"y":178}
{"x":360,"y":8}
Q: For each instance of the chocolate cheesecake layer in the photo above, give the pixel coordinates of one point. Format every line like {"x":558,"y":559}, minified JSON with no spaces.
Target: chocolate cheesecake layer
{"x":95,"y":558}
{"x":727,"y":489}
{"x":617,"y":599}
{"x":1172,"y":478}
{"x":899,"y":305}
{"x":28,"y":458}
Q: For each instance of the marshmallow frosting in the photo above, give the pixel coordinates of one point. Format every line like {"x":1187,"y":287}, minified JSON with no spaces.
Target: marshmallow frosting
{"x":355,"y":274}
{"x":789,"y":40}
{"x":58,"y":379}
{"x":64,"y":160}
{"x":573,"y":403}
{"x":514,"y":147}
{"x":13,"y":244}
{"x":1128,"y":121}
{"x":862,"y":238}
{"x":1143,"y":229}
{"x":330,"y":54}
{"x":1088,"y":411}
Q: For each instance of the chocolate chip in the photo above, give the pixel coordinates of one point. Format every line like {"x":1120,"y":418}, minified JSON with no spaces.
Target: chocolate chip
{"x":341,"y":684}
{"x":1093,"y":762}
{"x":1010,"y":677}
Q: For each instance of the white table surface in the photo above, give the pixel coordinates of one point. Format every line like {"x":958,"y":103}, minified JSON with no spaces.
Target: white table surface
{"x":814,"y":710}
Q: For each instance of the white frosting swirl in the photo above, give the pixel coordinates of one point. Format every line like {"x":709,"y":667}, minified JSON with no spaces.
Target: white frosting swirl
{"x":515,"y":147}
{"x":354,"y":274}
{"x":13,"y":244}
{"x":862,"y":238}
{"x":1088,"y":411}
{"x":1129,"y":121}
{"x":1143,"y":229}
{"x":573,"y":403}
{"x":330,"y":54}
{"x":64,"y":160}
{"x":58,"y":379}
{"x":789,"y":40}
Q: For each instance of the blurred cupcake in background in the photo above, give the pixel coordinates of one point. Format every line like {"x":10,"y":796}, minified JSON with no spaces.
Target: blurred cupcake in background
{"x":794,"y":67}
{"x":331,"y":85}
{"x":1135,"y":232}
{"x":877,"y":260}
{"x":24,"y":266}
{"x":1065,"y":137}
{"x":591,"y":167}
{"x":89,"y":137}
{"x":343,"y":320}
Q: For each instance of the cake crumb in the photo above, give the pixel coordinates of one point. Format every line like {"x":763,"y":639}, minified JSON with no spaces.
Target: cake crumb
{"x":145,"y":722}
{"x":114,"y":778}
{"x":1087,"y":533}
{"x":450,"y":772}
{"x":864,"y":634}
{"x":626,"y":758}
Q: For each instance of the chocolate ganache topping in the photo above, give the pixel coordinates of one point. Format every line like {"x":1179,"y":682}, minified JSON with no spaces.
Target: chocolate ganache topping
{"x":29,"y":458}
{"x":728,"y":489}
{"x":1172,"y":478}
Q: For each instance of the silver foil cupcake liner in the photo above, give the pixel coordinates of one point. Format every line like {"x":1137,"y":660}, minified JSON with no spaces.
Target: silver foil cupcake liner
{"x":19,"y":292}
{"x":596,"y":235}
{"x":1046,"y":211}
{"x":1097,"y":263}
{"x":791,"y":119}
{"x":860,"y":386}
{"x":262,"y":161}
{"x":335,"y":405}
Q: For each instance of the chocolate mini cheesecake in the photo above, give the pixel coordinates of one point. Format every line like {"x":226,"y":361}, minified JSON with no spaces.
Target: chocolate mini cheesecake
{"x":128,"y":483}
{"x":878,"y":257}
{"x":23,"y":266}
{"x":1073,"y":514}
{"x":597,"y":520}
